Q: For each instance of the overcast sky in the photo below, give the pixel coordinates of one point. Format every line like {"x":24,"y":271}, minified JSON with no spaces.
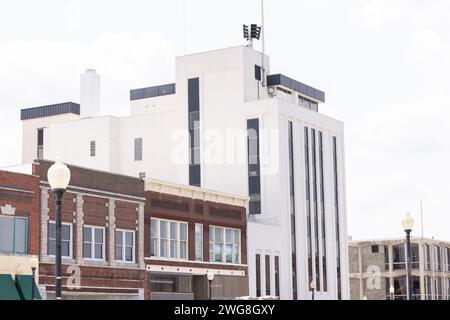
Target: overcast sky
{"x":384,"y":64}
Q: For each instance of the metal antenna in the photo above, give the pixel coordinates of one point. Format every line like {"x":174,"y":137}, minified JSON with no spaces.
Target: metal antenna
{"x":184,"y":25}
{"x":263,"y":33}
{"x":421,"y":215}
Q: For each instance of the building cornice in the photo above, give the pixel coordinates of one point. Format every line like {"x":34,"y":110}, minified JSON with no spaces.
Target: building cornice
{"x":194,"y":193}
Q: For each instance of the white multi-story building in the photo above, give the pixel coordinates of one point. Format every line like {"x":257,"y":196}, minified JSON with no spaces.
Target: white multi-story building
{"x":228,"y":124}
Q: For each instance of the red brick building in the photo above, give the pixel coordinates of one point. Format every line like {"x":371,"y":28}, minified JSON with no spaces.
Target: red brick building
{"x":103,"y":235}
{"x":19,"y":214}
{"x":128,"y":238}
{"x":193,"y":232}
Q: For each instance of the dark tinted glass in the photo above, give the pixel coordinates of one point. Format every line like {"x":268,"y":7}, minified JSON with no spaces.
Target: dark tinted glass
{"x":258,"y":73}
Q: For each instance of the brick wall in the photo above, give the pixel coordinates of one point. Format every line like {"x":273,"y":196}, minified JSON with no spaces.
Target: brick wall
{"x":22,"y":193}
{"x":105,"y":200}
{"x":194,"y":211}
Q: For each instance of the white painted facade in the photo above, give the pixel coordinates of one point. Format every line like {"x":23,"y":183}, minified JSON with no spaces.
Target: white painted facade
{"x":229,"y":95}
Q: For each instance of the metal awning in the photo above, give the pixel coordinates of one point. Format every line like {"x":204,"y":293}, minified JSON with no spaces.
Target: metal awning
{"x":23,"y":284}
{"x":8,"y":290}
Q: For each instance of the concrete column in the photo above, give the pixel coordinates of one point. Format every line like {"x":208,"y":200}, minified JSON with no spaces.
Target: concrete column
{"x":361,"y":274}
{"x":391,"y":266}
{"x":141,"y":230}
{"x":80,"y":228}
{"x":44,"y":223}
{"x":422,"y":270}
{"x":262,"y":264}
{"x":111,"y":233}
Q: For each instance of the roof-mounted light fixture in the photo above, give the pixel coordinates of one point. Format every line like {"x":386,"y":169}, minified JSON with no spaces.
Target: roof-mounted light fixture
{"x":251,"y":32}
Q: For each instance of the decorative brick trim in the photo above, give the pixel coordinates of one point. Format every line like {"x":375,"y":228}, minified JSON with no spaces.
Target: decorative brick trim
{"x":8,"y":210}
{"x":141,"y":231}
{"x":80,"y":226}
{"x":44,"y":223}
{"x":111,"y":232}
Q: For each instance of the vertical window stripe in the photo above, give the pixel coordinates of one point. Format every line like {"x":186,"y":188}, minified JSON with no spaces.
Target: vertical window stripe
{"x":292,"y":209}
{"x":336,"y":207}
{"x":323,"y":216}
{"x":254,"y":166}
{"x":316,"y":211}
{"x":258,"y":275}
{"x":194,"y":132}
{"x":308,"y":206}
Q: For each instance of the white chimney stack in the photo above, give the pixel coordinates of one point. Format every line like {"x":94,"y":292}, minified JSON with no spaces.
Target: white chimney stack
{"x":90,"y":94}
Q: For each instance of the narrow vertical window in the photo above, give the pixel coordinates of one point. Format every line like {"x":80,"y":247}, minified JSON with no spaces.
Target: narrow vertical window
{"x":183,"y":241}
{"x":426,"y":251}
{"x":92,"y":149}
{"x":258,"y":275}
{"x":316,"y":209}
{"x":211,"y":243}
{"x":164,"y":239}
{"x":258,"y":73}
{"x":254,"y":168}
{"x":199,"y":242}
{"x":218,"y":245}
{"x":154,"y":224}
{"x":173,"y":240}
{"x":277,"y":276}
{"x":323,"y":217}
{"x":268,"y":275}
{"x":229,"y":244}
{"x":336,"y":208}
{"x":448,"y":260}
{"x":194,"y":132}
{"x":40,"y":143}
{"x":237,"y":246}
{"x":138,"y":149}
{"x":292,"y":209}
{"x":308,"y":206}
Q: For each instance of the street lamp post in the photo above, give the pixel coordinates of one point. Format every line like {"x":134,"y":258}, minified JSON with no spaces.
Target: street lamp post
{"x":408,"y":224}
{"x":313,"y":288}
{"x":210,"y":280}
{"x":34,"y":265}
{"x":392,"y":291}
{"x":58,"y":177}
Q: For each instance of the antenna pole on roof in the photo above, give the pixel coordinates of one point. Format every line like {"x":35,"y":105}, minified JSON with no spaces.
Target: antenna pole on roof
{"x":421,"y":215}
{"x":263,"y":36}
{"x":184,"y":26}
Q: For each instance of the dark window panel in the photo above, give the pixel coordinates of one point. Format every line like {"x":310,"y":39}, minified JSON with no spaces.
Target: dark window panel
{"x":279,"y":79}
{"x":254,"y":185}
{"x":138,"y":149}
{"x":258,"y":75}
{"x":258,"y":275}
{"x":50,"y":110}
{"x":254,"y":169}
{"x":268,"y":271}
{"x":194,"y":175}
{"x":194,"y":94}
{"x":150,"y":92}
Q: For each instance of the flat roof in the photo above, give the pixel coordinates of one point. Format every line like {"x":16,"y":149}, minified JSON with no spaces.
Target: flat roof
{"x":418,"y":238}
